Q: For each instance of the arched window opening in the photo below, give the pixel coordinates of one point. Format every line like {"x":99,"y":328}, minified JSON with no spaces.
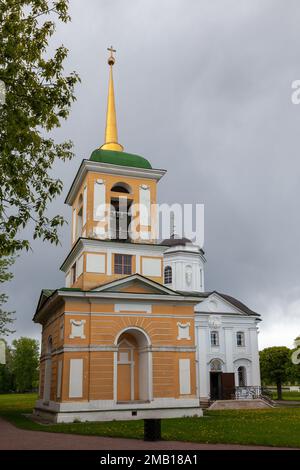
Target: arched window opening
{"x":240,"y":339}
{"x":168,"y":275}
{"x":216,"y":365}
{"x":134,"y":370}
{"x":121,"y":188}
{"x":120,"y":218}
{"x":242,"y":376}
{"x":214,"y":338}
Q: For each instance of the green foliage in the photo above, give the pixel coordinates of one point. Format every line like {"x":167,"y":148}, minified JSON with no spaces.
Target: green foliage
{"x":5,"y":316}
{"x":6,"y":379}
{"x":25,"y":362}
{"x":274,"y":366}
{"x":38,"y":97}
{"x":6,"y":374}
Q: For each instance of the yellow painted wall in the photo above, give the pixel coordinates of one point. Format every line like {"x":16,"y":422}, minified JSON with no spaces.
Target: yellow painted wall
{"x":102,"y":327}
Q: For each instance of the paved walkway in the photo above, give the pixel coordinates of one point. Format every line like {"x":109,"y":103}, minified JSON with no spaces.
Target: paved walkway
{"x":12,"y":438}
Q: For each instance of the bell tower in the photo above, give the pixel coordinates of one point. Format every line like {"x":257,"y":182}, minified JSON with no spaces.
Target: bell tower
{"x":116,"y":342}
{"x":113,"y":200}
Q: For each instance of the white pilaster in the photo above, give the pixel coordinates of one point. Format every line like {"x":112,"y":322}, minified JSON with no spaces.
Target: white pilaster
{"x":203,"y":385}
{"x":228,"y":340}
{"x":255,"y":356}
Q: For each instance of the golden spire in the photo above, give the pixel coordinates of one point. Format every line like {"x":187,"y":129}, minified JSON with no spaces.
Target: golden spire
{"x":111,"y":132}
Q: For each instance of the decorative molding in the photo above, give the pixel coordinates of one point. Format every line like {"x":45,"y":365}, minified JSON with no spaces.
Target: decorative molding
{"x":97,"y":167}
{"x":114,"y":348}
{"x":183,"y":331}
{"x":215,"y":321}
{"x":77,"y":329}
{"x":133,"y":307}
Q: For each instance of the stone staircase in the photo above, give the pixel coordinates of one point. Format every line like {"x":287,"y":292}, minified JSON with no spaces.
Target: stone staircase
{"x":205,"y":403}
{"x":256,"y":403}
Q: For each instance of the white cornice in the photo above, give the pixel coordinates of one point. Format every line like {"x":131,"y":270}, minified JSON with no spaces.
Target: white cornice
{"x":98,"y":167}
{"x":175,"y":299}
{"x":129,"y":295}
{"x":94,"y":245}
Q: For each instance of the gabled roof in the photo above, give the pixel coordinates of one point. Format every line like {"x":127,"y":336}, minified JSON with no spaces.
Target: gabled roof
{"x":237,"y":303}
{"x":153,"y":291}
{"x":120,"y":284}
{"x":45,"y":294}
{"x":232,"y":301}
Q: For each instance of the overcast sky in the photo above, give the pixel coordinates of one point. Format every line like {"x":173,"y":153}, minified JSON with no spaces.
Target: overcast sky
{"x":203,"y":89}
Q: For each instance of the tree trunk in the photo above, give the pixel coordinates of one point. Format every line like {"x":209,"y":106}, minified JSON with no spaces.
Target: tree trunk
{"x":279,"y":391}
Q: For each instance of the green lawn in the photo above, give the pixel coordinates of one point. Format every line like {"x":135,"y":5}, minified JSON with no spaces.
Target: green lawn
{"x":275,"y":427}
{"x":289,"y":396}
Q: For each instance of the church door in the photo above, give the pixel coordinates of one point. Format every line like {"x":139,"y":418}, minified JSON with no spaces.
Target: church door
{"x":228,"y":385}
{"x":215,"y":386}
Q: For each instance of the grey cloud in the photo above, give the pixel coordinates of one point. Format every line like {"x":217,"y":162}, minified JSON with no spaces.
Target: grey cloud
{"x":203,"y":89}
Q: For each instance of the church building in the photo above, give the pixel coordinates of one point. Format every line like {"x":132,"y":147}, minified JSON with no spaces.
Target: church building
{"x":133,"y":334}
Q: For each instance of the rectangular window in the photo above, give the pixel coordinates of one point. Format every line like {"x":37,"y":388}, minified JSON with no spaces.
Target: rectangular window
{"x":214,"y":338}
{"x":240,"y":339}
{"x":122,"y":264}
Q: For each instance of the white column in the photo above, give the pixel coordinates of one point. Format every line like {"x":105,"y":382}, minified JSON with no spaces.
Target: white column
{"x":109,"y":267}
{"x":203,"y":385}
{"x":74,"y":225}
{"x":137,"y":263}
{"x":84,"y":208}
{"x":255,"y":356}
{"x":228,"y":339}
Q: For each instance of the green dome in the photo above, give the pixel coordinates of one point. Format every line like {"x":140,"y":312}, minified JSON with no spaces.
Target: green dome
{"x":119,"y":158}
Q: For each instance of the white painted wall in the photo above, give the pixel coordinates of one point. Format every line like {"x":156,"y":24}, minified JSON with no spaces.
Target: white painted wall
{"x":84,"y":206}
{"x":79,"y":266}
{"x":145,"y":205}
{"x":187,"y":264}
{"x":151,"y":267}
{"x":99,"y":199}
{"x":74,"y":225}
{"x":230,"y":355}
{"x":68,"y":279}
{"x":95,"y":263}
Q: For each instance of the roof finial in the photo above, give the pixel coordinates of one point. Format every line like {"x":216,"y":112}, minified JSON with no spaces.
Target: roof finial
{"x":111,"y":132}
{"x":111,"y":59}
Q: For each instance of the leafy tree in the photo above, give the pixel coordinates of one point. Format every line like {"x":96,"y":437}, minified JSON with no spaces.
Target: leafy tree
{"x":6,"y":374}
{"x":5,"y":316}
{"x":274,"y":365}
{"x":25,"y":361}
{"x":38,"y":96}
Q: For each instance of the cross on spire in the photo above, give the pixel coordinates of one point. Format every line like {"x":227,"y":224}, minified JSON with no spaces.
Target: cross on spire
{"x":111,"y":59}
